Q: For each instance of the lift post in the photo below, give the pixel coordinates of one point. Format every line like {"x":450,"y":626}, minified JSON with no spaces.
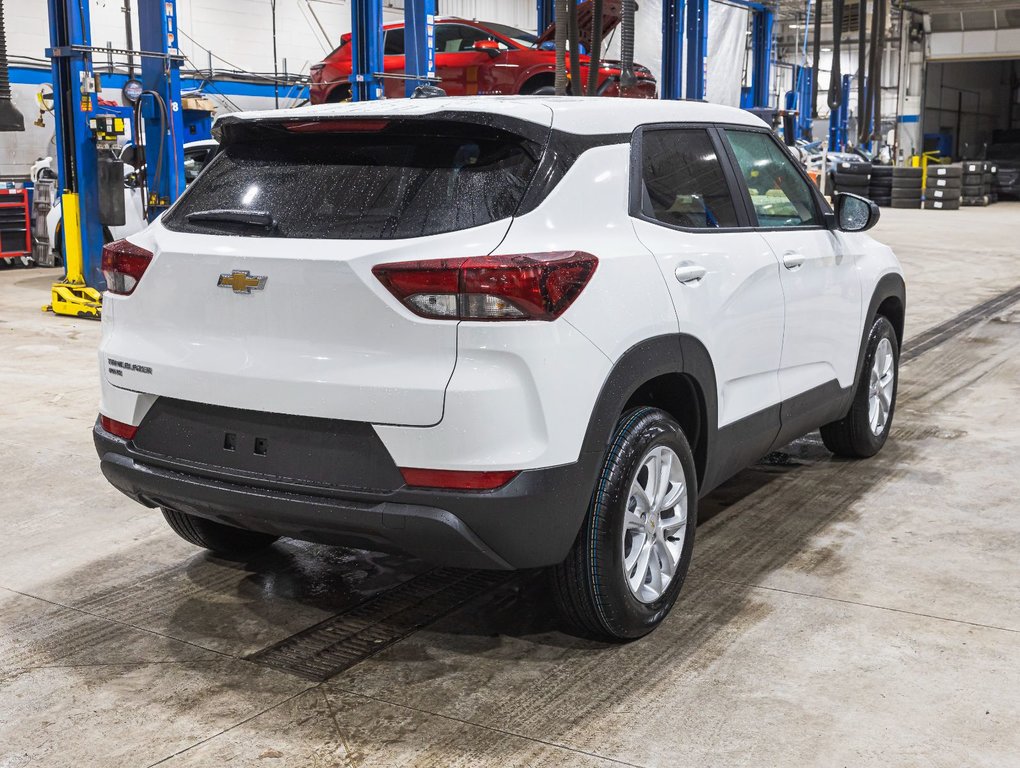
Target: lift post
{"x":839,"y":118}
{"x":74,"y":103}
{"x":161,"y":104}
{"x":366,"y":49}
{"x":697,"y":48}
{"x":671,"y":84}
{"x":761,"y":54}
{"x":419,"y":43}
{"x":544,"y":10}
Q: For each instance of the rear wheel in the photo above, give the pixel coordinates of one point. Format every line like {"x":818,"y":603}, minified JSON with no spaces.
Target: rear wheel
{"x":630,"y":559}
{"x":222,"y":539}
{"x":864,"y":430}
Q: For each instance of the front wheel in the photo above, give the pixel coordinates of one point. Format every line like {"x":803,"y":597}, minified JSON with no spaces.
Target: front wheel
{"x":864,"y":430}
{"x":630,"y":559}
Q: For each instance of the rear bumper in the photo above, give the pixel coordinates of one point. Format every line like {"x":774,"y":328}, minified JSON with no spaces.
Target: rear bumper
{"x":530,"y":522}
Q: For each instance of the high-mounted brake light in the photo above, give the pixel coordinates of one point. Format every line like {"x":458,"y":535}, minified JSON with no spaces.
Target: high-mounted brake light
{"x":526,"y":286}
{"x":337,"y":126}
{"x":456,"y":480}
{"x":118,"y":428}
{"x":123,"y":266}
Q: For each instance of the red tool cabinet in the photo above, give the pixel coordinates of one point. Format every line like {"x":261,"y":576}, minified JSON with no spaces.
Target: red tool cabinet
{"x":15,"y":224}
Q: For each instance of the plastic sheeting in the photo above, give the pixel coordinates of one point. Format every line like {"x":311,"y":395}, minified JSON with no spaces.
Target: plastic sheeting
{"x":727,"y":43}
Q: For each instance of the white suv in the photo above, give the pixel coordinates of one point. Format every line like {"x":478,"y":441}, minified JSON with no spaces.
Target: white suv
{"x":492,"y":333}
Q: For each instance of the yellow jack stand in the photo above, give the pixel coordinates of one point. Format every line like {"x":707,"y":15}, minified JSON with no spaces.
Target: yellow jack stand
{"x":71,"y":296}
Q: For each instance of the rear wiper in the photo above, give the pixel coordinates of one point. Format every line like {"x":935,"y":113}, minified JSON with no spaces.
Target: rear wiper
{"x":262,"y":219}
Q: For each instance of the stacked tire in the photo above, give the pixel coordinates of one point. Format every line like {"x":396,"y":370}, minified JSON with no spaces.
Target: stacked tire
{"x":976,"y":183}
{"x":944,"y":187}
{"x":895,"y":186}
{"x":854,"y":178}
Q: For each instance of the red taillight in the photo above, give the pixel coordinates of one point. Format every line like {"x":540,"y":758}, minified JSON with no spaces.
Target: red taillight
{"x":454,"y":480}
{"x":118,"y":428}
{"x":123,"y":266}
{"x":527,"y":286}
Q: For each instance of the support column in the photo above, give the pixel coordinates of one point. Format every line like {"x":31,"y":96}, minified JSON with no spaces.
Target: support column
{"x":161,"y":105}
{"x":671,"y":84}
{"x":697,"y":48}
{"x":366,"y":49}
{"x":74,"y":103}
{"x":761,"y":49}
{"x":419,"y":43}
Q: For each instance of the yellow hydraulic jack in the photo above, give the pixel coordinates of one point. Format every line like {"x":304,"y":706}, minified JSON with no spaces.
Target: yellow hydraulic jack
{"x":71,"y":296}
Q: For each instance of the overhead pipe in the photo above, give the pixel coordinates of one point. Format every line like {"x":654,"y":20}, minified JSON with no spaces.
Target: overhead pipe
{"x":816,"y":58}
{"x":11,"y":118}
{"x":574,"y":41}
{"x":595,"y":53}
{"x":627,"y":77}
{"x":862,"y":69}
{"x":835,"y":99}
{"x":560,"y":20}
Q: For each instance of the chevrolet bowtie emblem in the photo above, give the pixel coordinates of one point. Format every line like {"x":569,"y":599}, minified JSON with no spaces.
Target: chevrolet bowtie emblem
{"x":242,"y":281}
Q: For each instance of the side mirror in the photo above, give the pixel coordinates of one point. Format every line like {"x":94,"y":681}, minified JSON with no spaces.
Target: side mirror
{"x":490,"y":47}
{"x":855,"y":213}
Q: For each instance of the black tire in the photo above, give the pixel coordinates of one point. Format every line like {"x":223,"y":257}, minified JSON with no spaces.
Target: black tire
{"x":853,"y":169}
{"x":906,"y":194}
{"x":975,"y":166}
{"x":882,"y":171}
{"x":851,"y":179}
{"x":906,"y":183}
{"x":971,"y":190}
{"x":915,"y":203}
{"x":883,"y":182}
{"x":589,"y":586}
{"x":970,"y":179}
{"x":941,"y":193}
{"x":542,"y":90}
{"x":942,"y":205}
{"x":904,"y":172}
{"x":852,"y":436}
{"x":883,"y":202}
{"x":222,"y":539}
{"x":945,"y":171}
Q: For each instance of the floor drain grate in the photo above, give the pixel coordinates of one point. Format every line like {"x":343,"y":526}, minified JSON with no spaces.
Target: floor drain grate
{"x":942,"y":332}
{"x":338,"y":643}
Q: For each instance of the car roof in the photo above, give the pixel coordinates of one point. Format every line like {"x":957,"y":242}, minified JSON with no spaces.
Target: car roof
{"x":580,"y":115}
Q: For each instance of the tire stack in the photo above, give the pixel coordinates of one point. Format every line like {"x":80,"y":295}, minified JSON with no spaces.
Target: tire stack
{"x":896,"y":186}
{"x":944,"y":187}
{"x":854,"y":178}
{"x":993,"y":173}
{"x":880,"y":189}
{"x":976,"y":188}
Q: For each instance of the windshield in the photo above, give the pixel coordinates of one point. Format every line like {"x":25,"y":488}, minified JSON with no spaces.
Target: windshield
{"x":519,"y":36}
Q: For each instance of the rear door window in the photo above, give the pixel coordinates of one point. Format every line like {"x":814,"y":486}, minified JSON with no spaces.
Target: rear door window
{"x":682,"y":181}
{"x":385,"y":180}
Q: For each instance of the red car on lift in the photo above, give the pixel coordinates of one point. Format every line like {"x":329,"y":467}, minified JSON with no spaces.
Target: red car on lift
{"x":475,"y":57}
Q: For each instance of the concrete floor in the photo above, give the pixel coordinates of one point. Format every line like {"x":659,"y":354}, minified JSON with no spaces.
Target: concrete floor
{"x":837,"y":613}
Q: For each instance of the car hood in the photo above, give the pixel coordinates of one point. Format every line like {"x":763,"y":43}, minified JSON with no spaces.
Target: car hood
{"x":612,"y":13}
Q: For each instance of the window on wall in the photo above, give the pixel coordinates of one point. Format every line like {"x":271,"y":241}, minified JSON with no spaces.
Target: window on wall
{"x":779,"y":193}
{"x":682,"y":182}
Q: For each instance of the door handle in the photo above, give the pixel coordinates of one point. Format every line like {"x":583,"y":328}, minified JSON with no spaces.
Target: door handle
{"x":793,"y":260}
{"x":690,"y":273}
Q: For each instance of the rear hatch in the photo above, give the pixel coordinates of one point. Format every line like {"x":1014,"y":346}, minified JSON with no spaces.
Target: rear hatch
{"x":261,"y":295}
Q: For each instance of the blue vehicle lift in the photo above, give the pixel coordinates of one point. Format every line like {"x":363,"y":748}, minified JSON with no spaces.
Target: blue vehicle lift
{"x":82,"y":127}
{"x":839,"y":118}
{"x":696,"y":27}
{"x":367,"y":47}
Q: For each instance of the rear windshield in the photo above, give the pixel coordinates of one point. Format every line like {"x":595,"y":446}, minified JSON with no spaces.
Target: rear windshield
{"x":386,"y":180}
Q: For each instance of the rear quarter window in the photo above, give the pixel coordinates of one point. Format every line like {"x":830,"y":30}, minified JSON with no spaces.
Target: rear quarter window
{"x":401,"y":181}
